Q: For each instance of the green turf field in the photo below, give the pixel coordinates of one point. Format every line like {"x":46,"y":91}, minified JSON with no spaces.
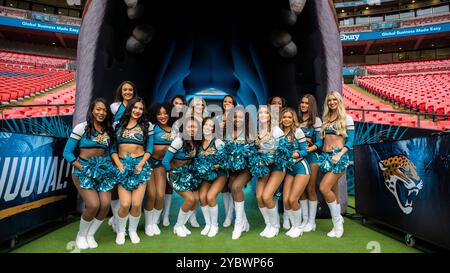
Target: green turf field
{"x":357,"y":238}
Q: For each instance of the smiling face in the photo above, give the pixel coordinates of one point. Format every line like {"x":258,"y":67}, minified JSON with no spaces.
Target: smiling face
{"x":332,"y":103}
{"x":287,"y":119}
{"x":304,"y":105}
{"x":137,"y":111}
{"x":263,"y":115}
{"x":208,"y":128}
{"x":239,"y":119}
{"x":192,"y":128}
{"x":99,"y":112}
{"x":227,"y":103}
{"x":162,"y":116}
{"x":127,"y":92}
{"x":276,"y":101}
{"x":198,"y":105}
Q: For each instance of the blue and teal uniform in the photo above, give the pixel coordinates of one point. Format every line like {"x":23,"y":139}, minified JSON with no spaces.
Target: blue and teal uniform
{"x":183,"y":177}
{"x":325,"y":163}
{"x":207,"y":159}
{"x":135,"y":135}
{"x":313,"y":134}
{"x":117,"y":109}
{"x":266,"y":147}
{"x":301,"y":165}
{"x":97,"y":173}
{"x":161,"y":137}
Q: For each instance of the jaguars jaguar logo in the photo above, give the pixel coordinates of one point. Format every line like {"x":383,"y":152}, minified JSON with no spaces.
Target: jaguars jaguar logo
{"x":401,"y":179}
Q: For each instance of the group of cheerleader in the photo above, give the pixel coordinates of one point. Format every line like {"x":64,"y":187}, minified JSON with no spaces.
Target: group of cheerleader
{"x":127,"y":152}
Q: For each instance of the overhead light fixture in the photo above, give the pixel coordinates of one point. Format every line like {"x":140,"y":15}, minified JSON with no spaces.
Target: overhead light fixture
{"x":381,"y":49}
{"x":53,"y":43}
{"x":351,"y":52}
{"x":343,"y":11}
{"x":367,"y":7}
{"x":413,"y":1}
{"x":400,"y":48}
{"x":432,"y":44}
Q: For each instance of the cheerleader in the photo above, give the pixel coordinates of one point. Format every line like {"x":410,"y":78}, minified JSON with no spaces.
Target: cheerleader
{"x":228,"y":103}
{"x":196,"y":110}
{"x":269,"y":135}
{"x":277,"y":101}
{"x":180,"y":154}
{"x":214,"y":179}
{"x":92,"y":174}
{"x":125,"y":92}
{"x":132,"y":150}
{"x":238,"y":143}
{"x":336,"y":139}
{"x":178,"y":103}
{"x":162,"y":137}
{"x":310,"y":124}
{"x":297,"y":176}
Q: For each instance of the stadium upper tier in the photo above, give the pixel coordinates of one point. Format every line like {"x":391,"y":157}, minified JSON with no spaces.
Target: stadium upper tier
{"x":408,"y":67}
{"x":38,"y":16}
{"x":425,"y":20}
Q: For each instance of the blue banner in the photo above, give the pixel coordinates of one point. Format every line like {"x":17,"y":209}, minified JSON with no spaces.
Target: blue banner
{"x":13,"y":22}
{"x":405,"y":185}
{"x":402,"y":32}
{"x":360,"y":3}
{"x":35,"y":182}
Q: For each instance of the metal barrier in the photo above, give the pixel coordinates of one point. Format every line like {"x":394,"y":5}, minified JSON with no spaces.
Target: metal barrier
{"x":435,"y":115}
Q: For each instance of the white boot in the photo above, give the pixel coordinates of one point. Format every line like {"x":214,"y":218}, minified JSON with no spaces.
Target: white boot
{"x":274,"y":222}
{"x":214,"y":214}
{"x":166,"y":210}
{"x":115,"y":206}
{"x":188,"y":232}
{"x":81,"y":240}
{"x":207,"y":218}
{"x":292,"y":216}
{"x":304,"y":207}
{"x":297,"y":229}
{"x":178,"y":228}
{"x":266,"y":221}
{"x":91,"y":232}
{"x":286,"y":224}
{"x":148,"y":214}
{"x":132,"y":229}
{"x":239,"y":225}
{"x":193,"y":219}
{"x":338,"y":225}
{"x":121,"y":224}
{"x":228,"y":204}
{"x":155,"y":220}
{"x":311,"y":225}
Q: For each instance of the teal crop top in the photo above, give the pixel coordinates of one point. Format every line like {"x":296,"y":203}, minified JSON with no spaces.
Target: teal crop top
{"x":79,"y":139}
{"x":134,"y":135}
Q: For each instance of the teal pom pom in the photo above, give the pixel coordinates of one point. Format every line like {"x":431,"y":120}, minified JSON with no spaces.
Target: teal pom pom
{"x":204,"y":167}
{"x":128,"y":179}
{"x":259,"y":163}
{"x":98,"y":173}
{"x":283,"y":154}
{"x":184,"y":179}
{"x":234,"y":156}
{"x":326,"y":165}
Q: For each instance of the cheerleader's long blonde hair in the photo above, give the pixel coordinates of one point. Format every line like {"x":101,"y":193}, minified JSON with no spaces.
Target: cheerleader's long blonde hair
{"x":295,"y":124}
{"x":340,"y":123}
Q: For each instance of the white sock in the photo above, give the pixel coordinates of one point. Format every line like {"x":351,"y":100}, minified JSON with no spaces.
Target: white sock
{"x":206,"y":215}
{"x":84,"y":227}
{"x":304,"y":206}
{"x":273,"y":217}
{"x":148,"y":217}
{"x":265,"y":215}
{"x":167,"y":203}
{"x":182,"y":217}
{"x":312,"y":205}
{"x":214,"y":215}
{"x":156,"y":215}
{"x":334,"y":211}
